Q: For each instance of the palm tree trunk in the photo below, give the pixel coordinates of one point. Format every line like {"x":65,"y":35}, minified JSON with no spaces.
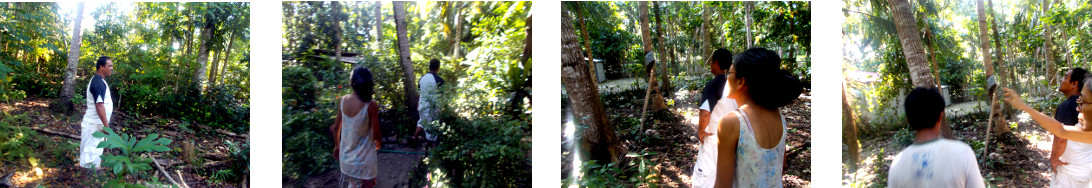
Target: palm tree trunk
{"x":598,"y":141}
{"x":227,"y":58}
{"x":1047,"y":30}
{"x":1000,"y":72}
{"x":404,"y":58}
{"x":587,"y":39}
{"x":69,"y":90}
{"x":920,"y":74}
{"x":662,"y":54}
{"x":750,"y":5}
{"x":378,"y":20}
{"x":849,"y":133}
{"x":203,"y":53}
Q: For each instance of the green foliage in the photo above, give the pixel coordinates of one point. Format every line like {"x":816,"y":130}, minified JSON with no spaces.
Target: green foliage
{"x":490,"y":67}
{"x":129,"y":161}
{"x":12,"y":95}
{"x":153,"y":49}
{"x":239,"y":153}
{"x":300,"y":88}
{"x":16,"y":143}
{"x":639,"y":172}
{"x":496,"y":156}
{"x":307,"y":148}
{"x":904,"y":137}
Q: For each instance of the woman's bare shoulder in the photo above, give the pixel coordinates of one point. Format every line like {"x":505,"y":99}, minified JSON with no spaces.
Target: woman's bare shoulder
{"x":729,"y":124}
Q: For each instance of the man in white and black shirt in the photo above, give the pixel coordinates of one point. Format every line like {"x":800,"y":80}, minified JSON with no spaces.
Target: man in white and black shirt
{"x":427,"y":106}
{"x":99,"y":107}
{"x":715,"y":104}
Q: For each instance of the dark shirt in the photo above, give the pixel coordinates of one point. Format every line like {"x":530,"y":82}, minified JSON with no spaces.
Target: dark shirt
{"x":713,"y":90}
{"x":98,"y":89}
{"x":1067,"y":111}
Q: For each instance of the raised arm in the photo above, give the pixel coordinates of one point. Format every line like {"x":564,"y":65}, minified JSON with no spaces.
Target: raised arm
{"x":1053,"y":126}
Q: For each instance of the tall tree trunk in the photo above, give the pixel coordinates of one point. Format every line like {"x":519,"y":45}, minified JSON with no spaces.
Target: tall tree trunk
{"x":597,"y":140}
{"x":984,"y":41}
{"x":707,"y":48}
{"x":920,"y":74}
{"x":750,"y":5}
{"x":404,"y":58}
{"x":203,"y":53}
{"x":849,"y":131}
{"x":933,"y":54}
{"x":1047,"y":30}
{"x":189,"y":37}
{"x":646,"y":43}
{"x":69,"y":90}
{"x":215,"y":63}
{"x":587,"y":40}
{"x":661,"y":53}
{"x":1000,"y":72}
{"x":646,"y":37}
{"x":337,"y":31}
{"x":378,"y":21}
{"x":226,"y":59}
{"x":526,"y":45}
{"x":456,"y":37}
{"x":217,"y":60}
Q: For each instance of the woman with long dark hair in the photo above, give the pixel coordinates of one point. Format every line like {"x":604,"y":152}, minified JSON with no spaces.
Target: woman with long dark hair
{"x":357,"y":137}
{"x":752,"y":138}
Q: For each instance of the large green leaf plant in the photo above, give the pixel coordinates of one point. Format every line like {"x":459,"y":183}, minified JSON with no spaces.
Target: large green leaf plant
{"x":129,"y":161}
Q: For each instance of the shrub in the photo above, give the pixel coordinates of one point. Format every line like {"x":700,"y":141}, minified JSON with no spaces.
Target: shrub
{"x":638,"y":172}
{"x":307,"y":150}
{"x":129,"y":161}
{"x":300,"y":88}
{"x":495,"y":156}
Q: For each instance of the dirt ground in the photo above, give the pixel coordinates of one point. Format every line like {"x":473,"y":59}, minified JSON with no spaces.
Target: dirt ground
{"x":209,"y":146}
{"x":673,"y":136}
{"x":396,"y":167}
{"x":1021,"y":156}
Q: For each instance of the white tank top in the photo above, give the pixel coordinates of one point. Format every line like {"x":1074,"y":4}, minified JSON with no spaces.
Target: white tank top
{"x":1077,"y":153}
{"x":757,"y":166}
{"x":357,"y":147}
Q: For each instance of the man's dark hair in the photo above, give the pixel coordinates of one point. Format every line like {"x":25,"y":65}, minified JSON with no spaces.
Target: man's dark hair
{"x":434,"y":64}
{"x":101,"y":62}
{"x":723,"y":58}
{"x":1078,"y":76}
{"x":923,"y":107}
{"x":362,"y":83}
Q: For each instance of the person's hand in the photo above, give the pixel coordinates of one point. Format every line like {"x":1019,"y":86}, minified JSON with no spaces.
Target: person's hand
{"x":1054,"y":163}
{"x":701,"y":136}
{"x":1012,"y":97}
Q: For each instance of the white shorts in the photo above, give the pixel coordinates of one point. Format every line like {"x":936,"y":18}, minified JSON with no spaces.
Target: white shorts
{"x":427,"y":116}
{"x":705,"y":169}
{"x":89,"y":151}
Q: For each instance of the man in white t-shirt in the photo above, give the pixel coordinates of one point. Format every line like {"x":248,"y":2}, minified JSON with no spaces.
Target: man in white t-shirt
{"x":429,"y":86}
{"x":99,"y":108}
{"x":715,"y":104}
{"x":932,"y":161}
